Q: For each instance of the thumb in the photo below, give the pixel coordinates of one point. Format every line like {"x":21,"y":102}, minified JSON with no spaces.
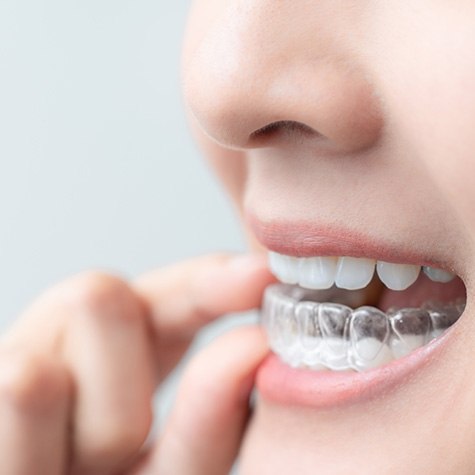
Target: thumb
{"x":204,"y":432}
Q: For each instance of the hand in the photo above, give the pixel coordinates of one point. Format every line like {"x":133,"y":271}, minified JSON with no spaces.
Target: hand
{"x":79,"y":368}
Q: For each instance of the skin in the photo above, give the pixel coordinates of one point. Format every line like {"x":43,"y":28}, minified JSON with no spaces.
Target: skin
{"x":384,"y":91}
{"x":79,"y":368}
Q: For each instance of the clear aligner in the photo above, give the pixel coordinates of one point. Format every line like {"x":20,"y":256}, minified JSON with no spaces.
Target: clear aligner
{"x":307,"y":331}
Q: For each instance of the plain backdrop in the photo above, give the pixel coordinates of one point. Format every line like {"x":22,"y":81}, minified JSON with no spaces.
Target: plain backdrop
{"x":97,"y":166}
{"x":98,"y":170}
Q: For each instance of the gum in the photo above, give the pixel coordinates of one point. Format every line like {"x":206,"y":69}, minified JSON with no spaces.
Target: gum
{"x":308,"y":331}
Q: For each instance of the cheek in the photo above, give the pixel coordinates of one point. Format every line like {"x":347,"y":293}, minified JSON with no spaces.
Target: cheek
{"x":231,"y":169}
{"x":428,"y":81}
{"x":228,"y":165}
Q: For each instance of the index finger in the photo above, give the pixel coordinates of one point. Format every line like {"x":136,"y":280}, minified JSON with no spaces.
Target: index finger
{"x":184,"y":297}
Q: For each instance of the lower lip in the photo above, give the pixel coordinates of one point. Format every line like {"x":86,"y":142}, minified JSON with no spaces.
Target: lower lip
{"x":281,"y":384}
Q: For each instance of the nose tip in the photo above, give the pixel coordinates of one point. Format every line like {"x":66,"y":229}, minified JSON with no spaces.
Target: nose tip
{"x":239,"y":89}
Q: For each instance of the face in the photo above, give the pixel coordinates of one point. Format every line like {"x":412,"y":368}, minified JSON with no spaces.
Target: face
{"x":346,"y":129}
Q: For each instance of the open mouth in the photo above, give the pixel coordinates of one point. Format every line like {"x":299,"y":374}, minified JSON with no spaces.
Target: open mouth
{"x":355,"y":313}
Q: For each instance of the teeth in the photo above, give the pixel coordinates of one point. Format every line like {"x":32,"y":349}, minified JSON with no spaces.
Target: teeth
{"x":442,"y":316}
{"x":382,"y":354}
{"x":309,"y":334}
{"x":353,"y":273}
{"x":397,"y":276}
{"x":350,"y":273}
{"x":411,"y":328}
{"x":317,"y":272}
{"x":285,"y":268}
{"x":308,"y":272}
{"x":438,"y":275}
{"x":333,"y":320}
{"x":369,"y":332}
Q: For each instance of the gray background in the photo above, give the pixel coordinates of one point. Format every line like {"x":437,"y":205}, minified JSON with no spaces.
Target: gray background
{"x":97,"y":166}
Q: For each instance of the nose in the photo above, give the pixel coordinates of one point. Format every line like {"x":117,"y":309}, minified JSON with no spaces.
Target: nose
{"x":262,"y":68}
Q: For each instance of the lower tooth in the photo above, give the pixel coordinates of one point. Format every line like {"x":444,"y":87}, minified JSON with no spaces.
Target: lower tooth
{"x":294,"y":358}
{"x":307,"y":317}
{"x":380,"y":354}
{"x":290,"y":332}
{"x":333,"y":320}
{"x":369,"y":331}
{"x":330,"y":335}
{"x":335,"y":357}
{"x":410,"y":330}
{"x":442,"y":317}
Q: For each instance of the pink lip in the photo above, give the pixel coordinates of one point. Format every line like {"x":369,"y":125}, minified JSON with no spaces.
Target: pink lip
{"x":282,"y":384}
{"x":306,"y":239}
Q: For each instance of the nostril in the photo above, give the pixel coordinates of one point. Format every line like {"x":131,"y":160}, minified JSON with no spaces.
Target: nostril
{"x":288,"y":128}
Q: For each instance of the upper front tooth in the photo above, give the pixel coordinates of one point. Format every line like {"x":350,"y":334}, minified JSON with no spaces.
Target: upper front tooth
{"x":317,"y":272}
{"x":438,"y":275}
{"x":285,"y":268}
{"x":397,"y":276}
{"x":346,"y":272}
{"x":354,"y":273}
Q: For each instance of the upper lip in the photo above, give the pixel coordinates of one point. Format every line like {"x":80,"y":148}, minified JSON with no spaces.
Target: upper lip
{"x":308,"y":239}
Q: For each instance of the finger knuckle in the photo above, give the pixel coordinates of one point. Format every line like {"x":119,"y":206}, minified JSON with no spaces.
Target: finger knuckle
{"x":117,"y":440}
{"x":96,"y":289}
{"x":103,"y":295}
{"x":32,"y":382}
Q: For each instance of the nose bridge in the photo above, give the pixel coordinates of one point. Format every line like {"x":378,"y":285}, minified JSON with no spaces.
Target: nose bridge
{"x":263,"y":62}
